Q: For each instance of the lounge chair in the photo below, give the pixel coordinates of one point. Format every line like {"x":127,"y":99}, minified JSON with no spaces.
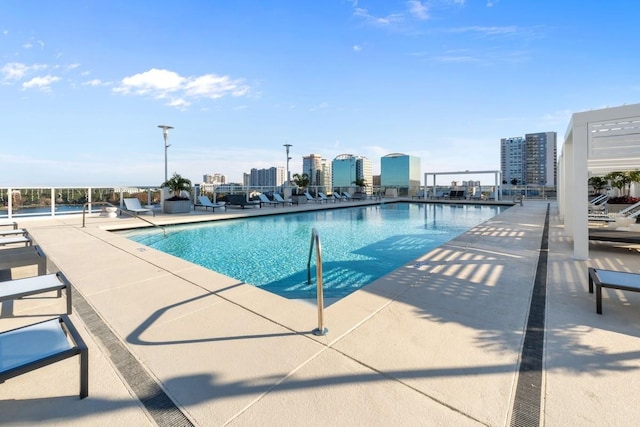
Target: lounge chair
{"x":21,"y":257}
{"x":22,"y":238}
{"x":629,"y":212}
{"x":133,"y":205}
{"x":420,"y":195}
{"x":11,"y":224}
{"x":40,"y":344}
{"x":310,"y":198}
{"x":323,"y":197}
{"x":204,"y":201}
{"x":241,"y":200}
{"x":18,"y":288}
{"x":599,"y":204}
{"x":337,"y":196}
{"x":14,"y":232}
{"x":347,"y":196}
{"x":279,"y":199}
{"x":264,"y":200}
{"x":611,"y":279}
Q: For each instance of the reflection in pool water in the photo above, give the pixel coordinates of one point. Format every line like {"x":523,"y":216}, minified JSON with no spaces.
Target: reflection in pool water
{"x":359,"y":244}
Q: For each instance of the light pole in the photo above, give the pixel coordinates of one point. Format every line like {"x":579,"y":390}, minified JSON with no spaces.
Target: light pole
{"x":287,"y":146}
{"x":165,"y":132}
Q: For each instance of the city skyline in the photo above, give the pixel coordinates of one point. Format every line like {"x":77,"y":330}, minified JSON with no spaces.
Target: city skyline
{"x":84,"y":86}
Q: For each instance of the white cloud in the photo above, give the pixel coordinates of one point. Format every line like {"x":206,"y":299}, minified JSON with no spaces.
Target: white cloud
{"x":154,"y":81}
{"x":42,"y":83}
{"x":321,"y":106}
{"x":378,"y":21}
{"x":165,"y":84}
{"x":95,"y":82}
{"x":357,"y":48}
{"x":13,"y":71}
{"x":418,"y":9}
{"x":492,"y":31}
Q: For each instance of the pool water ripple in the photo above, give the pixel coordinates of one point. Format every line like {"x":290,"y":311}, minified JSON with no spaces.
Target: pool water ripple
{"x":359,"y":244}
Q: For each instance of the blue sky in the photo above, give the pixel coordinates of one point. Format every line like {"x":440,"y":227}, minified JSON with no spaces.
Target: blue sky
{"x":84,"y":84}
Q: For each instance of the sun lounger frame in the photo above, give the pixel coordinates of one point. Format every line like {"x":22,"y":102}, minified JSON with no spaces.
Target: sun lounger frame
{"x":611,"y":279}
{"x":21,"y":257}
{"x":203,"y":201}
{"x":15,"y":289}
{"x":78,"y":347}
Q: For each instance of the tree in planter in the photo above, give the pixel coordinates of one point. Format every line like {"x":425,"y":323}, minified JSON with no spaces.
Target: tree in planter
{"x":177,"y":183}
{"x":360,"y":184}
{"x":619,"y":180}
{"x":301,"y":180}
{"x":598,"y":183}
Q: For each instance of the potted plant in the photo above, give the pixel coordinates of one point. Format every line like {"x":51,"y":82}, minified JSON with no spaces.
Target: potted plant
{"x":302,"y":182}
{"x":178,"y":203}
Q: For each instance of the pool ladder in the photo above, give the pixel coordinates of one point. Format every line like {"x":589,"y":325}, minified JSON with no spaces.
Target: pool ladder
{"x":315,"y":239}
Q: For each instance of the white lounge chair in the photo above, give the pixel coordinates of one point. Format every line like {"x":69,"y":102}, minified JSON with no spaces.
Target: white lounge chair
{"x":279,"y":199}
{"x":18,"y":288}
{"x":133,"y":205}
{"x":264,"y":200}
{"x":13,"y":239}
{"x":337,"y":196}
{"x":629,"y":212}
{"x":40,"y":344}
{"x":204,"y":201}
{"x":599,"y":204}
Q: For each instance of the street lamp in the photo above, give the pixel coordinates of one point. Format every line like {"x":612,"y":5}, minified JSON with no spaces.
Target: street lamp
{"x":288,"y":158}
{"x":165,"y":132}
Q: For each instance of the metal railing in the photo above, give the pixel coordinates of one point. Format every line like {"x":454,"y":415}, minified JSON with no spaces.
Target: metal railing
{"x":315,"y":239}
{"x":84,"y":209}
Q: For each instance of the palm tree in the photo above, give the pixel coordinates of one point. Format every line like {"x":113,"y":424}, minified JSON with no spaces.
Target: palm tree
{"x":620,"y":180}
{"x":177,"y":183}
{"x":634,"y":176}
{"x":301,"y":180}
{"x":598,"y":183}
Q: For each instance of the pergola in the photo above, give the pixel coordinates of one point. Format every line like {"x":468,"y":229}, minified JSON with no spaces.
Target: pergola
{"x":597,"y":142}
{"x":496,"y":177}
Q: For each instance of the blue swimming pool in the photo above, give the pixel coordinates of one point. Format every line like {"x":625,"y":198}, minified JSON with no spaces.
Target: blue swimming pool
{"x":359,"y":244}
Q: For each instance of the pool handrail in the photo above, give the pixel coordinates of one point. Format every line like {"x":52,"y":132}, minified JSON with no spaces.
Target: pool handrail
{"x":315,"y":238}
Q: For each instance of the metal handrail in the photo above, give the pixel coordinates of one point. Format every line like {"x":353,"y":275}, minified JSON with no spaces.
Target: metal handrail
{"x":315,"y":238}
{"x":84,"y":209}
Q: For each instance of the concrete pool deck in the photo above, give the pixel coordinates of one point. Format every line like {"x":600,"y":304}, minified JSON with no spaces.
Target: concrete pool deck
{"x":437,"y":342}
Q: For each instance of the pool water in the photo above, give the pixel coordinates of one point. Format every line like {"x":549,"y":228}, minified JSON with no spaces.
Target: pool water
{"x":359,"y":244}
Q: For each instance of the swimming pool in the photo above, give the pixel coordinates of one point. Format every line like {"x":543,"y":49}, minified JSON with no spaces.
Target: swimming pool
{"x":359,"y":244}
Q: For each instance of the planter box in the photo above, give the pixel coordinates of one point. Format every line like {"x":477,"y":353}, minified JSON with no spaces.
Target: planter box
{"x":177,"y":206}
{"x":298,"y":199}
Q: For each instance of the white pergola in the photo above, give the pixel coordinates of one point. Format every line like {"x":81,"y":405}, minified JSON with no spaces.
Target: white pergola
{"x":496,"y":178}
{"x":597,"y":142}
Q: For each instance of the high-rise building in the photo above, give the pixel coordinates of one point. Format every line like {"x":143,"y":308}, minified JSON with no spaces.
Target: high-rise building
{"x":540,"y":158}
{"x":400,"y":170}
{"x":530,"y":160}
{"x":346,"y":168}
{"x":272,"y":177}
{"x":319,"y":171}
{"x":512,"y":160}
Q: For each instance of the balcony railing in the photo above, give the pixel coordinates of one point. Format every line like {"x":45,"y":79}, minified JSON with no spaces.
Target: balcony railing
{"x":21,"y":202}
